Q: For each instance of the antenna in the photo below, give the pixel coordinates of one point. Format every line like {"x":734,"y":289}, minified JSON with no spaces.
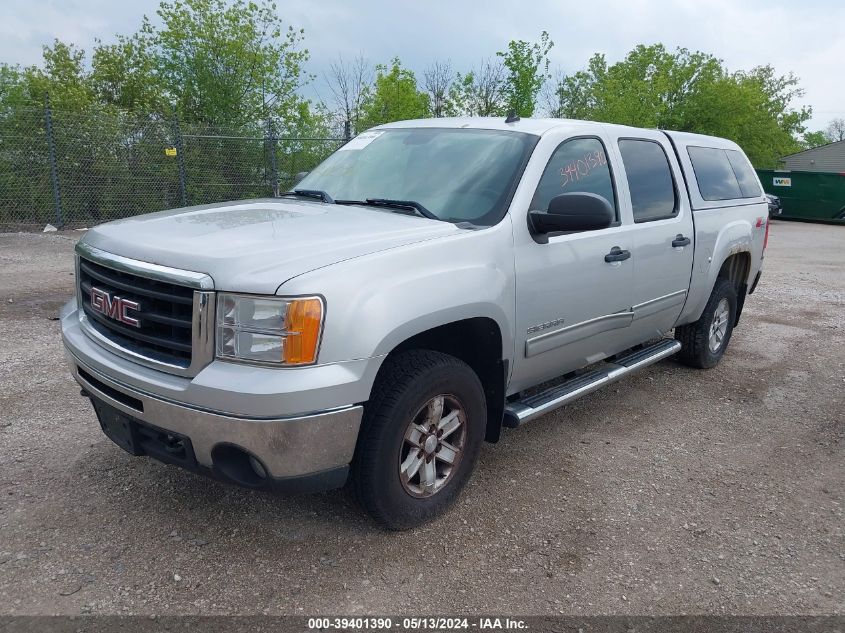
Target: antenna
{"x":512,"y":118}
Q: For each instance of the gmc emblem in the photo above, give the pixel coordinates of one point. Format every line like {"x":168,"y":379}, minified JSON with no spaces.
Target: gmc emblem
{"x":114,"y":307}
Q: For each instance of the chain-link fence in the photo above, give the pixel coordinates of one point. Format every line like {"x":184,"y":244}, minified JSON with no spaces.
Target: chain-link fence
{"x":75,"y":170}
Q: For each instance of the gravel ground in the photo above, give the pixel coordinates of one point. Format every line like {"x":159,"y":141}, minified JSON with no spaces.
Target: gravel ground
{"x":675,"y":491}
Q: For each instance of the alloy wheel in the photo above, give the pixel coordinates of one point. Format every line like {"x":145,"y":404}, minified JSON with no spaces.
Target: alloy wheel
{"x":432,"y":446}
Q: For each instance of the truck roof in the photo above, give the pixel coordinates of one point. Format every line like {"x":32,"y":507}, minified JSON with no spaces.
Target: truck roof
{"x":540,"y":126}
{"x":530,"y":126}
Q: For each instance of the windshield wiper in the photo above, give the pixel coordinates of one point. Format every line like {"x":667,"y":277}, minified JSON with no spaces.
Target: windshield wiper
{"x":316,"y":194}
{"x":408,"y":205}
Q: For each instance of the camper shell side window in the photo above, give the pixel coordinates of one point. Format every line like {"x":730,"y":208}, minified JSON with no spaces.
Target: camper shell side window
{"x":722,"y":174}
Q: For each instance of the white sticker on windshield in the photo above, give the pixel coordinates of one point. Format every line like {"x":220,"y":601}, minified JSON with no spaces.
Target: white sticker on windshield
{"x":362,"y":140}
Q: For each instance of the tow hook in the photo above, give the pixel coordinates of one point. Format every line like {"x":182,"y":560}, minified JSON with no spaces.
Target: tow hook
{"x":174,"y":445}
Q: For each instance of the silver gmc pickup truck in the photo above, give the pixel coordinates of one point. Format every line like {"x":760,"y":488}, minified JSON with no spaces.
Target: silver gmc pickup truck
{"x":428,"y":284}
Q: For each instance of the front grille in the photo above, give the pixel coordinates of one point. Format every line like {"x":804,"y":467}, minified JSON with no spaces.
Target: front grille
{"x":165,"y":313}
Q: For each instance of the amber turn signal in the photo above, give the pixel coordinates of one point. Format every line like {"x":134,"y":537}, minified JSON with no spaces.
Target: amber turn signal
{"x":303,"y":324}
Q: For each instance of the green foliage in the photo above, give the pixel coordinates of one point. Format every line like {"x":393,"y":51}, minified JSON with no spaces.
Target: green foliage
{"x":221,"y":67}
{"x":460,"y":99}
{"x":220,"y":61}
{"x":814,"y":139}
{"x":63,"y":75}
{"x":833,"y":133}
{"x":752,"y":109}
{"x":527,"y":69}
{"x":690,"y":91}
{"x":224,"y":67}
{"x":649,"y":88}
{"x":305,"y":143}
{"x":213,"y":61}
{"x":393,"y":97}
{"x":479,"y":92}
{"x":125,"y":75}
{"x":12,"y":90}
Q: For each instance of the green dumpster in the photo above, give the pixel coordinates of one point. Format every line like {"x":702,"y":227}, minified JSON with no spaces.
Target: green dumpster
{"x":807,"y":195}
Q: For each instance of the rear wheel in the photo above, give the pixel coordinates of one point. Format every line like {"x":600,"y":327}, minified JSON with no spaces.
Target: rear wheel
{"x":705,"y":341}
{"x":420,"y":438}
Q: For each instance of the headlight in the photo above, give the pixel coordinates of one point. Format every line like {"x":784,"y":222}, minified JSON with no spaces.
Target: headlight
{"x":283,"y":331}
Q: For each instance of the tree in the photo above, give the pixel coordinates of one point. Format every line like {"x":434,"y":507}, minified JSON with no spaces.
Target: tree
{"x":227,"y":62}
{"x":753,"y":109}
{"x":218,"y":65}
{"x":63,"y":76}
{"x":550,"y":102}
{"x":690,"y":91}
{"x":836,"y":130}
{"x":527,"y":69}
{"x":437,"y":80}
{"x":479,"y":92}
{"x":305,"y":143}
{"x":393,"y":97}
{"x":210,"y":61}
{"x":12,"y":89}
{"x":577,"y":95}
{"x":125,"y":75}
{"x":649,"y":88}
{"x":814,"y":139}
{"x":348,"y":83}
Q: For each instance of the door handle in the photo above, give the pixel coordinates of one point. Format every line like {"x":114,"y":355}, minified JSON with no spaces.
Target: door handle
{"x":679,"y":241}
{"x":616,"y":254}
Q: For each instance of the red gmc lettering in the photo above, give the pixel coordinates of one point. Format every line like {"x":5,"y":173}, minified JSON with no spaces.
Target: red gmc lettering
{"x":114,"y":307}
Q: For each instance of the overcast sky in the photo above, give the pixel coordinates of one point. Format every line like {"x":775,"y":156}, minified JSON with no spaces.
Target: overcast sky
{"x":807,"y":37}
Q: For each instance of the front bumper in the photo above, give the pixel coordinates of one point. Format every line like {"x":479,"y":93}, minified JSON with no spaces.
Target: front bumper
{"x":300,"y":454}
{"x":298,"y":451}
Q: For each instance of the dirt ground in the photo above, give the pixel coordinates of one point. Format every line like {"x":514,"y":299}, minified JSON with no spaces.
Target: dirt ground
{"x":675,"y":491}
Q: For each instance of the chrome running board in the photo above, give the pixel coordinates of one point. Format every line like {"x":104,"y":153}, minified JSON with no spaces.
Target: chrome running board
{"x":521,"y":411}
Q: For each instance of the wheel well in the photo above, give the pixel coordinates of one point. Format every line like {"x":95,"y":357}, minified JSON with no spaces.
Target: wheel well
{"x":477,"y":342}
{"x":736,"y":268}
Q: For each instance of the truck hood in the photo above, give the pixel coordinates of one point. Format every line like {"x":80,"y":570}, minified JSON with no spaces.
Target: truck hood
{"x":255,"y":246}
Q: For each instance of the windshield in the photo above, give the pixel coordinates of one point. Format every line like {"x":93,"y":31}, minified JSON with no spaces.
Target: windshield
{"x":460,"y":175}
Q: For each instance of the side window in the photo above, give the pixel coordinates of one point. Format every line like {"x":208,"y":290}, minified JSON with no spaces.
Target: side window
{"x":713,"y":171}
{"x":577,"y":165}
{"x":649,"y":180}
{"x":744,"y":174}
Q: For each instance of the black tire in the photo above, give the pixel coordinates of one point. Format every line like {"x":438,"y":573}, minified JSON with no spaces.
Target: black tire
{"x":695,"y":337}
{"x":405,"y":384}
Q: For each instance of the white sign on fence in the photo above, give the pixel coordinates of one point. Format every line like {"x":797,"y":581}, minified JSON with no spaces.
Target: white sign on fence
{"x":782,"y":182}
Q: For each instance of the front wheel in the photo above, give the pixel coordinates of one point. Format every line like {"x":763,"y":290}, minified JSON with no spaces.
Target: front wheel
{"x":420,"y":438}
{"x":705,"y":341}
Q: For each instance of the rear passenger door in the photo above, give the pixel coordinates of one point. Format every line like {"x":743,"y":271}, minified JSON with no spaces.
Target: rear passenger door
{"x":663,"y":234}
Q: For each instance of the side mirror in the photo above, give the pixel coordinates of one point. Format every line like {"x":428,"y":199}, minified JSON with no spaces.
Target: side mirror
{"x":299,"y":176}
{"x":573,"y":212}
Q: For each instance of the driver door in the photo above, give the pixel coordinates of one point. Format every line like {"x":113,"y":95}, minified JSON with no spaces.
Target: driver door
{"x":572,"y":306}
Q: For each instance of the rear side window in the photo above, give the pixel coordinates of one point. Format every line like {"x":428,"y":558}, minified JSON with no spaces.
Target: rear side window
{"x":649,"y":180}
{"x":577,"y":165}
{"x":744,"y":174}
